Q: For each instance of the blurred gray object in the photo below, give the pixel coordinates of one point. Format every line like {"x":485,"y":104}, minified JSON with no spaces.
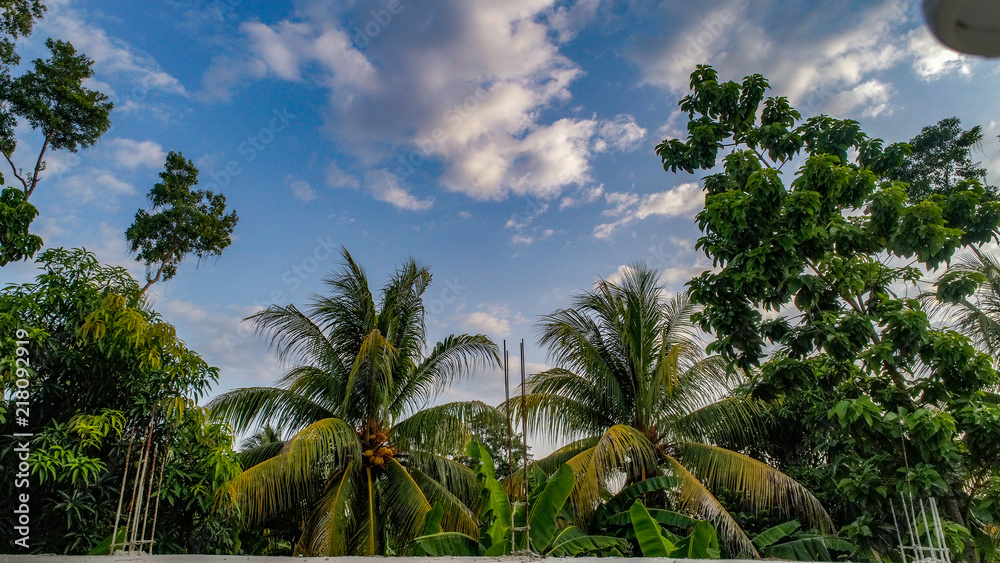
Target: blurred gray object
{"x":968,"y":26}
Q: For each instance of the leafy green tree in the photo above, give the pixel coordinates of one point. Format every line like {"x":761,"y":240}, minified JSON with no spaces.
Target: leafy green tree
{"x":637,"y":393}
{"x":52,"y":99}
{"x":883,"y":403}
{"x":104,"y":369}
{"x":365,"y":460}
{"x":941,"y":159}
{"x":17,"y":19}
{"x":183,"y":222}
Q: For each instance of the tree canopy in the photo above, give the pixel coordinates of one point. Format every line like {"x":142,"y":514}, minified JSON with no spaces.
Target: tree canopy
{"x":815,"y":283}
{"x":183,"y":222}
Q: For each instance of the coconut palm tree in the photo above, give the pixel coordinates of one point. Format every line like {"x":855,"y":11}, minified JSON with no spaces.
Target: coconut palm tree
{"x":366,"y":458}
{"x":635,"y":391}
{"x":977,"y":315}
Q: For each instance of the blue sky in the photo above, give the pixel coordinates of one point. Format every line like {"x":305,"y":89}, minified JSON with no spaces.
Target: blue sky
{"x":507,"y":144}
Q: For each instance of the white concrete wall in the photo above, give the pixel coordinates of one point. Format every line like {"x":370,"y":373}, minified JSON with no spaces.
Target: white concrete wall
{"x":256,"y":559}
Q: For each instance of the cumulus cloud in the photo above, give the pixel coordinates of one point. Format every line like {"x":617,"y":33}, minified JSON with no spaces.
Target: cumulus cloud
{"x":132,"y":154}
{"x":625,"y":208}
{"x":93,"y":183}
{"x":812,"y":60}
{"x":933,"y":60}
{"x":460,"y":82}
{"x":388,"y":187}
{"x":622,"y":134}
{"x":481,"y":322}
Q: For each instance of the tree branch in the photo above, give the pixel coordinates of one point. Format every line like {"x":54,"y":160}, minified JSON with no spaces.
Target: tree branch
{"x":39,"y":165}
{"x":16,"y":175}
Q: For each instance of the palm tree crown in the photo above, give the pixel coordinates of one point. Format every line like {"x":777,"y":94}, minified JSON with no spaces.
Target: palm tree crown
{"x":636,"y":392}
{"x":365,"y":460}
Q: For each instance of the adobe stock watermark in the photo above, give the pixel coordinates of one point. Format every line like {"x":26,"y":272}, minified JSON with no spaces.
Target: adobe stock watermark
{"x":292,"y":279}
{"x":708,"y":30}
{"x":363,"y":35}
{"x":21,"y":396}
{"x":250,"y":148}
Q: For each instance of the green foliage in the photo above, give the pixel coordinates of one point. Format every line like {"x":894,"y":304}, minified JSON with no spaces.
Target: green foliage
{"x":546,"y":536}
{"x":103,"y":368}
{"x":53,"y":100}
{"x":16,"y":215}
{"x":636,"y":391}
{"x":853,"y":364}
{"x":798,"y":545}
{"x":183,"y":222}
{"x":647,"y":533}
{"x":941,"y":159}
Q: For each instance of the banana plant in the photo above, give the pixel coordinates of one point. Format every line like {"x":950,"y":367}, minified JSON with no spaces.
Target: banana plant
{"x":545,"y":536}
{"x":786,"y":541}
{"x":702,"y":543}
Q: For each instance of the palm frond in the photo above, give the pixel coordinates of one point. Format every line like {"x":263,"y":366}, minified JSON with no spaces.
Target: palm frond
{"x":404,"y":503}
{"x":251,"y":407}
{"x":621,"y":450}
{"x":446,"y":428}
{"x":695,"y":497}
{"x":454,"y":357}
{"x":765,"y":486}
{"x":458,"y":515}
{"x":326,"y":530}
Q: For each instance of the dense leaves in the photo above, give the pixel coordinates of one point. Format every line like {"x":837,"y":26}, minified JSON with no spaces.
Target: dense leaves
{"x":183,"y":222}
{"x":811,"y":286}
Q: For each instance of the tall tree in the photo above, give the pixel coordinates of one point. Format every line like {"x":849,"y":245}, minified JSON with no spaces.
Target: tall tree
{"x":183,"y":222}
{"x":101,"y":368}
{"x":886,"y":403}
{"x":52,"y":99}
{"x":365,"y":459}
{"x":635,"y":390}
{"x":941,"y":158}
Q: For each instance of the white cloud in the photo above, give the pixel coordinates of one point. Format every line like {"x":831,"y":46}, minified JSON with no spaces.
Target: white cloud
{"x":872,"y":97}
{"x":131,"y":154}
{"x":300,"y":189}
{"x":621,"y":134}
{"x":679,"y":201}
{"x":111,"y":55}
{"x":337,"y":178}
{"x":388,"y":187}
{"x":931,"y":59}
{"x":812,"y":59}
{"x":93,"y":184}
{"x":466,"y":87}
{"x":486,"y":323}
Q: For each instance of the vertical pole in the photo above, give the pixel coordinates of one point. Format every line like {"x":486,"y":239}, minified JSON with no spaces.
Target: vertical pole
{"x":524,"y":453}
{"x":510,"y":427}
{"x":121,"y":494}
{"x":899,"y":537}
{"x":149,"y":491}
{"x":156,"y":509}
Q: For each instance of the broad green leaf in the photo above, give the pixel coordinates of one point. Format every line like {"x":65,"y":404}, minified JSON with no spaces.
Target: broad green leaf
{"x":703,"y":543}
{"x":547,"y":505}
{"x":452,"y":544}
{"x":647,"y":533}
{"x":771,"y":536}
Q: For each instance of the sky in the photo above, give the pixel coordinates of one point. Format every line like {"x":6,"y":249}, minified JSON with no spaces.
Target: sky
{"x":506,"y":144}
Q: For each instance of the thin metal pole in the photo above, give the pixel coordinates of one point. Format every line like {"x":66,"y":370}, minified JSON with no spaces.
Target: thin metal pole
{"x":149,"y":491}
{"x":137,"y":502}
{"x":121,"y":494}
{"x":524,"y":442}
{"x":899,"y":538}
{"x":506,"y":391}
{"x":156,"y":509}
